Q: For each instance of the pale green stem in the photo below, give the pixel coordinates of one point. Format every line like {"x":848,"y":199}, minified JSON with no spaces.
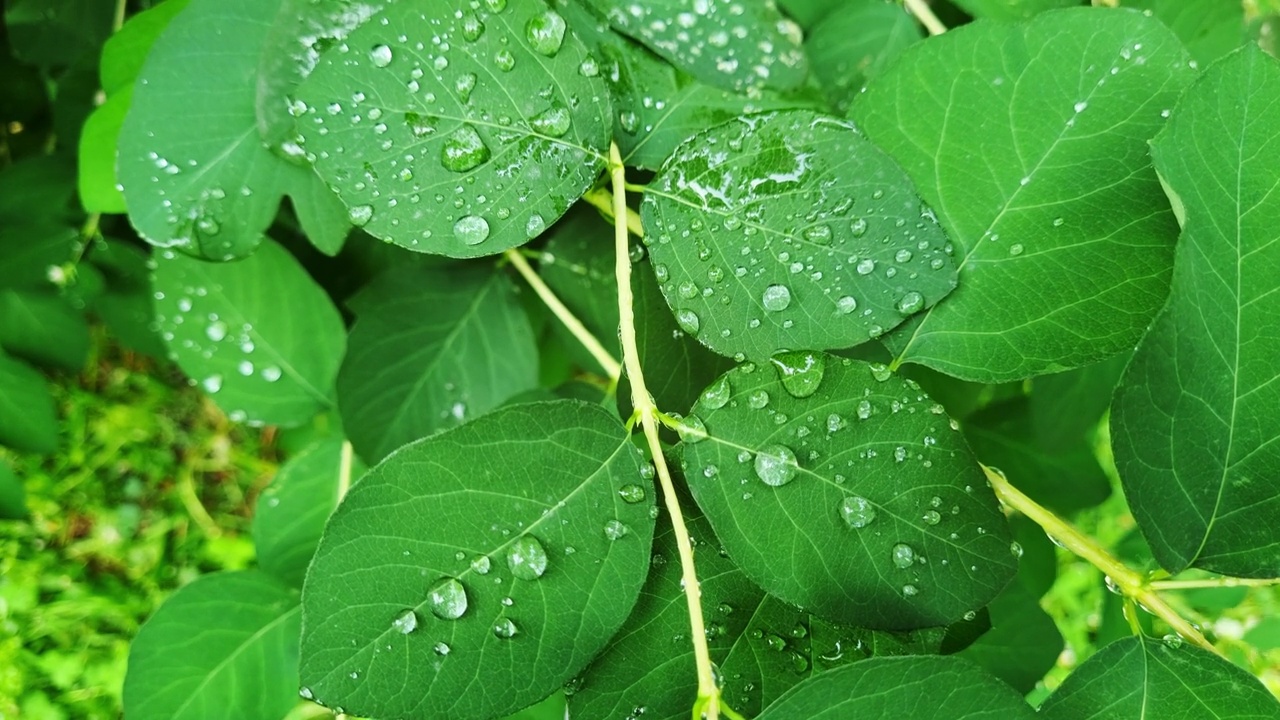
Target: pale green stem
{"x":1106,"y":3}
{"x":922,"y":12}
{"x":344,"y":469}
{"x":602,"y":200}
{"x":708,"y":703}
{"x":1129,"y":582}
{"x":611,"y":366}
{"x":1218,"y":582}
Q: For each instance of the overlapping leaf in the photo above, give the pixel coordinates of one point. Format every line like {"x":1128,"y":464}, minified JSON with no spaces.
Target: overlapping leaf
{"x":1029,"y":141}
{"x":857,"y":500}
{"x":28,"y":419}
{"x":1194,"y":423}
{"x":790,"y":230}
{"x":43,"y":327}
{"x":1210,"y":29}
{"x":457,"y":131}
{"x":476,"y":571}
{"x":856,"y":42}
{"x":1011,"y":9}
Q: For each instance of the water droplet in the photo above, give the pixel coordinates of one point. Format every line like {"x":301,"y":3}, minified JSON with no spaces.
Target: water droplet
{"x":758,"y":399}
{"x":441,"y":648}
{"x":866,"y":266}
{"x":864,"y":409}
{"x":360,"y":215}
{"x":546,"y":32}
{"x":480,"y":565}
{"x":305,"y":693}
{"x":505,"y":629}
{"x":835,"y":423}
{"x":1173,"y":641}
{"x":504,"y":60}
{"x":717,"y":395}
{"x":406,"y":622}
{"x":629,"y":121}
{"x":463,"y":150}
{"x":880,"y":372}
{"x":631,"y":493}
{"x":471,"y":230}
{"x":472,"y":28}
{"x":858,"y":227}
{"x":464,"y":85}
{"x":910,"y":591}
{"x":616,"y":530}
{"x":526,"y":558}
{"x":688,"y":321}
{"x":553,"y":122}
{"x":776,"y":298}
{"x":931,"y":517}
{"x":846,"y":305}
{"x":212,"y":384}
{"x":1015,"y":549}
{"x":800,"y":372}
{"x":216,"y":330}
{"x":380,"y":56}
{"x":971,"y":615}
{"x":448,"y":599}
{"x":820,"y":234}
{"x":912,"y":302}
{"x":692,"y":430}
{"x":857,"y":511}
{"x":776,"y":465}
{"x":903,"y":555}
{"x":902,"y":256}
{"x":535,"y":226}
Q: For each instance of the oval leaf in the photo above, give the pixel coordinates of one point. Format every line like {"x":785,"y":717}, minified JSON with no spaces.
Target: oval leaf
{"x":514,"y":526}
{"x":791,"y":230}
{"x":858,"y":502}
{"x":455,"y":131}
{"x":1197,"y":438}
{"x":1064,"y":245}
{"x":223,"y":325}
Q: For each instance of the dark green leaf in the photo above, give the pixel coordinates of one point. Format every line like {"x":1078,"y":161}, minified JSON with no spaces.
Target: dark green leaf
{"x":1023,"y":643}
{"x":56,"y":32}
{"x":809,"y":12}
{"x":432,"y":348}
{"x":13,"y":497}
{"x":466,"y":146}
{"x":226,"y":326}
{"x":1011,"y":9}
{"x":225,"y":646}
{"x":578,"y":264}
{"x":1141,"y":678}
{"x":893,"y":688}
{"x":28,"y":420}
{"x":1209,"y":28}
{"x":1064,"y":242}
{"x":791,"y":230}
{"x":470,"y":513}
{"x":858,"y":502}
{"x":856,"y":42}
{"x":1038,"y":566}
{"x":44,"y":328}
{"x":1194,"y":423}
{"x":1067,"y":407}
{"x":126,"y":303}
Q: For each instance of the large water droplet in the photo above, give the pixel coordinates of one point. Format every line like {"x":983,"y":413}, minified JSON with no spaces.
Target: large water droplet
{"x":717,"y":395}
{"x":631,"y":493}
{"x":931,"y":517}
{"x":692,"y":430}
{"x":546,"y":32}
{"x":464,"y":85}
{"x":463,"y":150}
{"x":526,"y":558}
{"x":846,"y":305}
{"x":534,"y":226}
{"x":448,"y":599}
{"x":406,"y":622}
{"x":758,"y":399}
{"x":471,"y":230}
{"x":910,"y":590}
{"x":911,"y":303}
{"x":866,"y":266}
{"x":505,"y":629}
{"x":857,"y":511}
{"x":380,"y":56}
{"x":800,"y":372}
{"x":472,"y":28}
{"x":776,"y":465}
{"x":820,"y":234}
{"x":480,"y":565}
{"x":553,"y":122}
{"x":360,"y":215}
{"x":688,"y":321}
{"x":858,"y":227}
{"x":504,"y":60}
{"x":776,"y":298}
{"x":904,"y":556}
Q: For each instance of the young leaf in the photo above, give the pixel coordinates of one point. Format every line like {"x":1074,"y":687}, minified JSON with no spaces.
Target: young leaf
{"x":196,"y":175}
{"x":845,"y":490}
{"x":1063,"y":240}
{"x":791,"y":230}
{"x":224,"y":325}
{"x":482,"y":567}
{"x":1194,"y":421}
{"x":1138,"y":677}
{"x":856,"y":42}
{"x":892,"y":688}
{"x":457,"y":131}
{"x":28,"y":419}
{"x":431,"y":348}
{"x":223,"y":647}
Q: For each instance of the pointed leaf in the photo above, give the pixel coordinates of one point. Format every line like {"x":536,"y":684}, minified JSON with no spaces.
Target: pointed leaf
{"x":28,"y":419}
{"x":465,"y":146}
{"x":223,"y":647}
{"x":858,"y":502}
{"x":223,"y":323}
{"x":505,"y":524}
{"x":1197,"y":437}
{"x":431,"y":348}
{"x":790,"y":230}
{"x":1061,"y":234}
{"x":1141,"y":678}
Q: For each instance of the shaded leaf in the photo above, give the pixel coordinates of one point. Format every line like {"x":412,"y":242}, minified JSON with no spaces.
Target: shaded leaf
{"x":28,"y":420}
{"x":1209,"y":28}
{"x":44,"y":328}
{"x":1011,"y":9}
{"x":1066,"y":407}
{"x":1023,"y":643}
{"x":55,"y":33}
{"x":13,"y":497}
{"x":125,"y":303}
{"x":856,"y":42}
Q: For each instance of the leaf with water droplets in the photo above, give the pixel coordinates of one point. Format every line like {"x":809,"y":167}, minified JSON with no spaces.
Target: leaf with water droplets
{"x":223,"y":324}
{"x":446,"y":128}
{"x":843,"y":534}
{"x":790,"y":230}
{"x":240,"y":635}
{"x":421,"y":355}
{"x":1064,"y":202}
{"x":1194,"y":422}
{"x":196,"y":174}
{"x":28,"y":419}
{"x":1210,"y":29}
{"x":528,"y":486}
{"x":856,"y":42}
{"x":1141,"y":677}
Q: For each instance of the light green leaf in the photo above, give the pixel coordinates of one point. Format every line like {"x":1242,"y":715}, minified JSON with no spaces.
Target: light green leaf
{"x":1062,"y":234}
{"x":858,"y":501}
{"x":432,"y":348}
{"x":465,"y":146}
{"x":126,"y":50}
{"x":44,"y":328}
{"x":727,"y":44}
{"x":504,"y":523}
{"x":196,"y":174}
{"x":856,"y":42}
{"x":1142,"y":678}
{"x":1209,"y":28}
{"x":13,"y":497}
{"x":1194,"y":423}
{"x":290,"y":514}
{"x":893,"y":688}
{"x":809,"y":12}
{"x":223,"y":647}
{"x":790,"y":230}
{"x":1011,"y":9}
{"x":224,"y":325}
{"x":28,"y":420}
{"x":97,"y":155}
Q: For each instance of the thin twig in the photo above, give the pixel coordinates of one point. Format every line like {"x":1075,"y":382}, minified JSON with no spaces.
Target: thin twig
{"x":602,"y":199}
{"x":1218,"y":582}
{"x":922,"y":12}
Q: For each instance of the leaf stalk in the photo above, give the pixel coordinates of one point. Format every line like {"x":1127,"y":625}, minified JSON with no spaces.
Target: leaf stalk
{"x":922,"y":12}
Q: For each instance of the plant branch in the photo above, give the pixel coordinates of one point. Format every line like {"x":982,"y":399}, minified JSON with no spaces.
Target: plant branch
{"x":344,"y":469}
{"x":922,"y":12}
{"x":602,"y":199}
{"x":708,"y":703}
{"x":610,"y":364}
{"x":1217,"y":582}
{"x":1129,"y":582}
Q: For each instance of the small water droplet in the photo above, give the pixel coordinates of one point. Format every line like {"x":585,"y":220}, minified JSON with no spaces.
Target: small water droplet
{"x":631,"y":493}
{"x":775,"y":465}
{"x":880,"y":372}
{"x":1015,"y":549}
{"x":912,"y":302}
{"x":866,"y":266}
{"x":472,"y":28}
{"x":1015,"y":249}
{"x":931,"y":517}
{"x":526,"y":558}
{"x":820,"y":234}
{"x":448,"y":599}
{"x":505,"y":629}
{"x":904,"y":556}
{"x":616,"y":530}
{"x":688,"y":321}
{"x":692,"y":430}
{"x":504,"y":60}
{"x":360,"y":215}
{"x":758,"y":399}
{"x":441,"y":648}
{"x":717,"y":395}
{"x":846,"y":305}
{"x":553,"y":122}
{"x":471,"y":230}
{"x":776,"y":298}
{"x":910,"y":591}
{"x":857,"y":511}
{"x":406,"y":622}
{"x":858,"y":227}
{"x":800,"y":373}
{"x":380,"y":56}
{"x":1173,"y":641}
{"x":464,"y":85}
{"x":480,"y":565}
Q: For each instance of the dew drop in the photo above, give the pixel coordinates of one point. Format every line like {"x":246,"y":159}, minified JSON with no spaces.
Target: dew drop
{"x":441,"y":648}
{"x":858,"y":227}
{"x":526,"y":558}
{"x":758,"y":399}
{"x":775,"y":465}
{"x":553,"y":122}
{"x":931,"y":517}
{"x":472,"y":28}
{"x":480,"y":565}
{"x":820,"y":234}
{"x":505,"y":629}
{"x":717,"y":395}
{"x":776,"y":298}
{"x":799,"y":372}
{"x":546,"y":32}
{"x":631,"y":493}
{"x":912,"y":302}
{"x":1015,"y":249}
{"x":692,"y":430}
{"x":464,"y":85}
{"x":857,"y":511}
{"x":471,"y":230}
{"x":380,"y":56}
{"x":504,"y":60}
{"x":463,"y":150}
{"x":866,"y":266}
{"x":688,"y":321}
{"x":535,"y":226}
{"x":846,"y":305}
{"x":360,"y":215}
{"x":864,"y":409}
{"x":904,"y":556}
{"x":616,"y":530}
{"x":1016,"y":550}
{"x":406,"y":622}
{"x":448,"y":599}
{"x":910,"y":591}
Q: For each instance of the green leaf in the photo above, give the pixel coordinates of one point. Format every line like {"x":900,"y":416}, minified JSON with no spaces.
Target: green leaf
{"x":13,"y":497}
{"x":1061,"y":232}
{"x":290,"y":514}
{"x":1011,"y":9}
{"x":97,"y":155}
{"x":28,"y":420}
{"x":196,"y":175}
{"x":44,"y":328}
{"x":856,"y":42}
{"x":225,"y":646}
{"x":224,"y":325}
{"x":809,"y":12}
{"x":470,"y":513}
{"x":577,"y":263}
{"x":125,"y":304}
{"x":790,"y":230}
{"x":1209,"y":28}
{"x":858,"y":502}
{"x":460,"y":148}
{"x":1023,"y":643}
{"x":432,"y":348}
{"x":125,"y":51}
{"x":56,"y":32}
{"x":737,"y":46}
{"x":1194,"y":424}
{"x":1137,"y":677}
{"x":891,"y":688}
{"x":1066,"y":407}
